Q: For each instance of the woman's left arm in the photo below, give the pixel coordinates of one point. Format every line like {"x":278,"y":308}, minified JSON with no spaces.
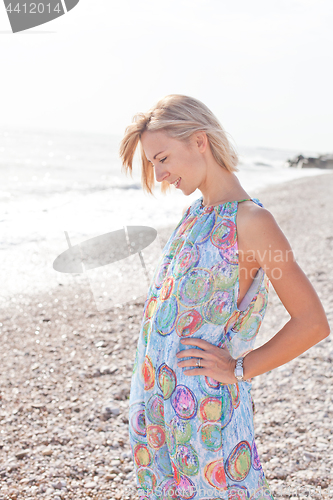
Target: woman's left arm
{"x":308,"y":324}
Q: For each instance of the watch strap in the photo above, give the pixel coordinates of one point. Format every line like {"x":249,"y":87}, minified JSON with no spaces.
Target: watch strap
{"x":239,"y":373}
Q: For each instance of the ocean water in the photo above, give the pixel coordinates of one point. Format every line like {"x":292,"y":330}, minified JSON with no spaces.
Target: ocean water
{"x":60,"y":189}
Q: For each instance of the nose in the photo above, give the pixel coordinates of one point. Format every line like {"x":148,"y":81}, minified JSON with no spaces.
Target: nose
{"x":161,"y":175}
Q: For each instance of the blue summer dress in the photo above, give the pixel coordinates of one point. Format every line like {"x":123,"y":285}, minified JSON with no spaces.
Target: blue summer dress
{"x":191,"y":436}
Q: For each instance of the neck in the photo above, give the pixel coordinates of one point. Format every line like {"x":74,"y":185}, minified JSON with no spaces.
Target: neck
{"x":221,"y":186}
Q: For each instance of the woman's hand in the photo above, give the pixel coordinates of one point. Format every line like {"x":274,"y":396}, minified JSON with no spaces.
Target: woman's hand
{"x":215,"y":362}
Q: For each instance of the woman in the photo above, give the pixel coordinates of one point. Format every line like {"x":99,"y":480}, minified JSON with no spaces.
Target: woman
{"x":191,"y":410}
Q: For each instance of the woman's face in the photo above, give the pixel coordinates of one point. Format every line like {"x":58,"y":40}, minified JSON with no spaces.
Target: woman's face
{"x":173,"y":159}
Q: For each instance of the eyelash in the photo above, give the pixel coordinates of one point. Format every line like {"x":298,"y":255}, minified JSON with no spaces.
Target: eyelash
{"x":161,"y":161}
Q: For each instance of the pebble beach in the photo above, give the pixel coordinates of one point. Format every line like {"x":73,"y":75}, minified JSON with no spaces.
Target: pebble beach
{"x":66,"y":370}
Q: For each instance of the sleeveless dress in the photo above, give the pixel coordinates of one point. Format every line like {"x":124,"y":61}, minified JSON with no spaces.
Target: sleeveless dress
{"x":191,"y":436}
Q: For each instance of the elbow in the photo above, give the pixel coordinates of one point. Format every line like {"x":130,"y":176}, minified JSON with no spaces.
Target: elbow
{"x":323,"y":330}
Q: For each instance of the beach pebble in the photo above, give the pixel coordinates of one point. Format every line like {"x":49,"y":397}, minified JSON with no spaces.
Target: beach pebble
{"x":22,"y":453}
{"x":90,"y":484}
{"x":59,"y":485}
{"x":47,"y":452}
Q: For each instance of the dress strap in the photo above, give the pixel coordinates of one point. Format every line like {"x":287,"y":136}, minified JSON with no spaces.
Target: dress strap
{"x":246,"y":199}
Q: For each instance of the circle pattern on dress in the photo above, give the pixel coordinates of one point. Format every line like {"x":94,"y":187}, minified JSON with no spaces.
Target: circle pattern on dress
{"x":138,"y":420}
{"x":237,"y":492}
{"x":166,"y":380}
{"x":210,"y":409}
{"x":147,"y":478}
{"x":188,"y":323}
{"x":142,"y":455}
{"x":151,"y":306}
{"x":155,"y":409}
{"x":146,"y":331}
{"x":167,"y":288}
{"x":196,"y":287}
{"x":187,"y":259}
{"x":161,"y":273}
{"x":184,"y":402}
{"x":255,"y":457}
{"x":148,"y":373}
{"x":217,"y":309}
{"x":167,"y":490}
{"x":211,"y":436}
{"x":234,"y":392}
{"x":202,"y":230}
{"x":224,"y":234}
{"x":155,"y":436}
{"x":215,"y":474}
{"x":166,"y":316}
{"x":249,"y":327}
{"x":187,"y":459}
{"x":225,"y":275}
{"x":209,"y":386}
{"x":186,"y":488}
{"x":238,"y":463}
{"x":162,"y":460}
{"x":182,"y":430}
{"x":175,"y":247}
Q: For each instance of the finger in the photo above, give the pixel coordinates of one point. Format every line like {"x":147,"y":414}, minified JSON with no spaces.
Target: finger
{"x":195,"y":341}
{"x":190,"y":362}
{"x":197,"y":371}
{"x":188,"y":353}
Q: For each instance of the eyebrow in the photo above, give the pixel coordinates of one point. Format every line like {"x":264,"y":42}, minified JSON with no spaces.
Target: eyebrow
{"x":157,"y":155}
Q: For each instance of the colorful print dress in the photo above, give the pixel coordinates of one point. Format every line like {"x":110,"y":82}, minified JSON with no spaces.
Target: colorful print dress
{"x":191,"y":436}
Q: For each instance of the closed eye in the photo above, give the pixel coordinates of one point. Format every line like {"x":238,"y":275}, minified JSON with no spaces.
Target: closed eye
{"x":161,"y":161}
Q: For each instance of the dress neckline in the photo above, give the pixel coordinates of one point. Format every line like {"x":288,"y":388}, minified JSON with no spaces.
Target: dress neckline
{"x":220,"y":204}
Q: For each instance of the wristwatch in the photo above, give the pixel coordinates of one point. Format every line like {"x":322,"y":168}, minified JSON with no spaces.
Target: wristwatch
{"x":239,"y":370}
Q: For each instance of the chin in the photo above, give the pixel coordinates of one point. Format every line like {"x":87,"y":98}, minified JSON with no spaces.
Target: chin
{"x":187,"y":193}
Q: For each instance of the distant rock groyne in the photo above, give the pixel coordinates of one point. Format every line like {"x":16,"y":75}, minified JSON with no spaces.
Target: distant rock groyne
{"x":322,"y":161}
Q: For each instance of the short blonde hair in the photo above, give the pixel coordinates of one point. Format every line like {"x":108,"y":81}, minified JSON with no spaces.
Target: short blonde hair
{"x":178,"y":116}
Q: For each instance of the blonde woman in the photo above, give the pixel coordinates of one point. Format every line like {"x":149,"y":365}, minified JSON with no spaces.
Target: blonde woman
{"x":191,"y":410}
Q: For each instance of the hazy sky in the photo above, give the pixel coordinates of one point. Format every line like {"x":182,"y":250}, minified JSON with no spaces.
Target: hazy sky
{"x":264,"y":67}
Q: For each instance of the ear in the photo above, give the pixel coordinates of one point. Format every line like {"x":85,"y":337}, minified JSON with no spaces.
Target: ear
{"x":201,"y":141}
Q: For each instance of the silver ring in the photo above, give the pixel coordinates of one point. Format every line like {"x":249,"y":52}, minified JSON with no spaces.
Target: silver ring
{"x":198,"y":362}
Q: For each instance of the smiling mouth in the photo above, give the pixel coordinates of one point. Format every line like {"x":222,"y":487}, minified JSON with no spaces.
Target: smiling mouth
{"x":176,"y":183}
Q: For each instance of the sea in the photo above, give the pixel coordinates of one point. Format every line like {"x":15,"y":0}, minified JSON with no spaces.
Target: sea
{"x":60,"y":189}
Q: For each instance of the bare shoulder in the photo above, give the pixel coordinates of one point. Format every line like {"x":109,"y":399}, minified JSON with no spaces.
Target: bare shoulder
{"x":261,"y":236}
{"x":258,"y":230}
{"x":249,"y":209}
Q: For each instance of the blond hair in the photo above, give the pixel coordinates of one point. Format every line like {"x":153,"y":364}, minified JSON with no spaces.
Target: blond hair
{"x":178,"y":116}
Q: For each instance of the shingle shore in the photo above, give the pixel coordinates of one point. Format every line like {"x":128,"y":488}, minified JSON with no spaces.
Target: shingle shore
{"x":66,"y":369}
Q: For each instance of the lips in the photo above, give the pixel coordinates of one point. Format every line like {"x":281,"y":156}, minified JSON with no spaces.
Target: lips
{"x":177,"y":181}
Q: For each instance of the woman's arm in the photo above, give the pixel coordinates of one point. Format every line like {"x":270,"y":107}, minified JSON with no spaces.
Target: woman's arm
{"x":308,"y":324}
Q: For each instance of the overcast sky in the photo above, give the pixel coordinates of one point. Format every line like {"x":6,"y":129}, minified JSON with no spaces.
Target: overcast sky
{"x":263,"y":67}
